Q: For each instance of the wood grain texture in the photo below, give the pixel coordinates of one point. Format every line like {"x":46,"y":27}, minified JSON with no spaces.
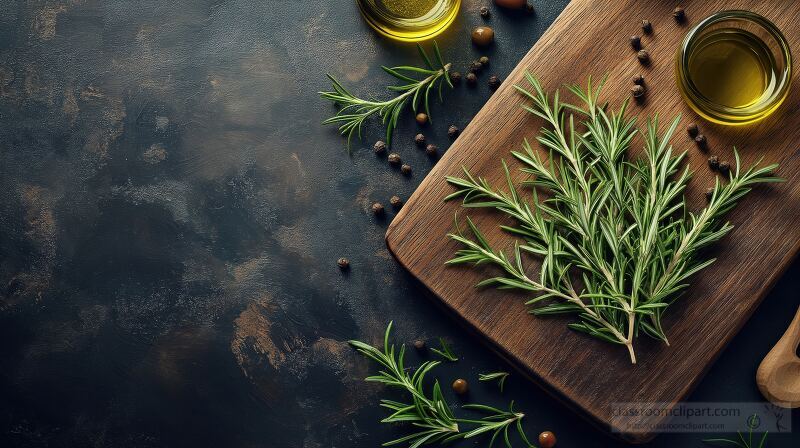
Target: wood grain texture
{"x":591,"y":38}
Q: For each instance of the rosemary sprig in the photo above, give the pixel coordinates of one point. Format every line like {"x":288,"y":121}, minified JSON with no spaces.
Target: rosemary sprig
{"x":429,"y":415}
{"x":354,"y":110}
{"x":742,"y":442}
{"x":445,"y":351}
{"x":499,"y":376}
{"x":615,"y":238}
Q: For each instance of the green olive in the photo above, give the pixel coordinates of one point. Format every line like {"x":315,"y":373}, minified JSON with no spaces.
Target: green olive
{"x":482,"y":36}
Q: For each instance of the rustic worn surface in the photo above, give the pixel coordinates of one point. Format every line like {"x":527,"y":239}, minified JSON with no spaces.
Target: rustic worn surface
{"x":171,"y":213}
{"x":591,"y":37}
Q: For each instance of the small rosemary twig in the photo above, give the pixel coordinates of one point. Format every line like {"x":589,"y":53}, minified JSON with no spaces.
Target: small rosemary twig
{"x":445,"y":351}
{"x":354,"y":110}
{"x":430,"y":417}
{"x":499,"y":376}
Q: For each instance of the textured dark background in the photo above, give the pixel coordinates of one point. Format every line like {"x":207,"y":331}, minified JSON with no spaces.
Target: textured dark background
{"x":171,"y":212}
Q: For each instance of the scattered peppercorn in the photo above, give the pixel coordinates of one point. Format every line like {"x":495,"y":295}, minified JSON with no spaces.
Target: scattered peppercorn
{"x":377,"y":209}
{"x":485,"y":13}
{"x":494,"y":82}
{"x":529,"y":8}
{"x":510,"y":4}
{"x":679,"y":14}
{"x":482,"y":36}
{"x":709,"y":194}
{"x":406,"y":169}
{"x":431,"y":149}
{"x":638,"y":80}
{"x":453,"y":131}
{"x":647,"y":27}
{"x":724,"y":168}
{"x":419,"y":344}
{"x":472,"y":79}
{"x":713,"y":162}
{"x":643,"y":56}
{"x":701,"y":141}
{"x":396,"y":201}
{"x":692,"y":130}
{"x":419,"y":139}
{"x":394,"y":158}
{"x":547,"y":439}
{"x":379,"y":147}
{"x":460,"y":386}
{"x":475,"y":67}
{"x":637,"y":91}
{"x":636,"y":42}
{"x":422,"y":118}
{"x":343,"y":263}
{"x":455,"y":78}
{"x":484,"y":60}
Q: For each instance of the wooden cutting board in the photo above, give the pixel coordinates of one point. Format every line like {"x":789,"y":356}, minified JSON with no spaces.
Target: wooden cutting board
{"x":591,"y":38}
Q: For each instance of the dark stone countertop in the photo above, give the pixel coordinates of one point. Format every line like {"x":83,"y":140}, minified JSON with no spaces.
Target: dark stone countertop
{"x":171,"y":213}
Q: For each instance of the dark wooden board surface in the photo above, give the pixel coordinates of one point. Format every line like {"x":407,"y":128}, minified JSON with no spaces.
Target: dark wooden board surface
{"x":591,"y":38}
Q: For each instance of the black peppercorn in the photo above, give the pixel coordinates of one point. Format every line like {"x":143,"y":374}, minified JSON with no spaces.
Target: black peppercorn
{"x":692,"y":130}
{"x":638,"y":80}
{"x":709,"y":194}
{"x":643,"y":56}
{"x":701,"y":141}
{"x":406,"y":169}
{"x":636,"y":42}
{"x":472,"y":79}
{"x":724,"y":168}
{"x":460,"y":386}
{"x":637,"y":91}
{"x":431,"y":149}
{"x":455,"y":78}
{"x":484,"y":60}
{"x":494,"y":82}
{"x":485,"y":13}
{"x":396,"y":201}
{"x":475,"y":67}
{"x":343,"y":263}
{"x":377,"y":209}
{"x":453,"y":131}
{"x":394,"y":158}
{"x":419,"y":344}
{"x":647,"y":27}
{"x":379,"y":147}
{"x":419,"y":139}
{"x":422,"y":118}
{"x":679,"y":14}
{"x":713,"y":162}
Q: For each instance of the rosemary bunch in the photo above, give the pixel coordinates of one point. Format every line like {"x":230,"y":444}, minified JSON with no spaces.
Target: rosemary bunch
{"x":354,"y":110}
{"x":429,"y":414}
{"x":614,"y":236}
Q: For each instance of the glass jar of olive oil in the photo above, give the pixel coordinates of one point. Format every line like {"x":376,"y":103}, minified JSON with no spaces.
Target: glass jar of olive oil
{"x":734,"y":67}
{"x":409,"y":20}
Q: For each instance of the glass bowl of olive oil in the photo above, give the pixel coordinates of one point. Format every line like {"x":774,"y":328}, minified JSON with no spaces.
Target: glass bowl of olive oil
{"x":409,"y":20}
{"x":734,"y":67}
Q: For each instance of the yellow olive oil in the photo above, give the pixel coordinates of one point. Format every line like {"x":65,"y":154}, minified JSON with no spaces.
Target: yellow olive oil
{"x":409,"y":20}
{"x":732,"y":67}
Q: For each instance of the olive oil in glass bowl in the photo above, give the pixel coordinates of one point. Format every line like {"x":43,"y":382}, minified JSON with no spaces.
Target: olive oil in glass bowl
{"x":734,"y":67}
{"x":409,"y":20}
